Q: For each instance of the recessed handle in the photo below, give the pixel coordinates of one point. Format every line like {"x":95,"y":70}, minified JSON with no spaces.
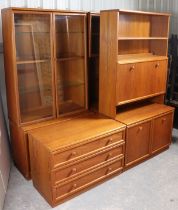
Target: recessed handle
{"x":132,"y":68}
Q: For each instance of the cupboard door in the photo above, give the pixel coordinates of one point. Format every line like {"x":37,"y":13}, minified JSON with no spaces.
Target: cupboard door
{"x":162,"y":131}
{"x":34,"y":66}
{"x":70,"y":50}
{"x":138,"y":142}
{"x":133,"y":82}
{"x":160,"y":76}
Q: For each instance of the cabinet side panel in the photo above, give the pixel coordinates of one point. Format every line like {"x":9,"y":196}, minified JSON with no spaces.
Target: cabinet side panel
{"x":39,"y":162}
{"x":108,"y":63}
{"x":10,"y":65}
{"x":20,"y":150}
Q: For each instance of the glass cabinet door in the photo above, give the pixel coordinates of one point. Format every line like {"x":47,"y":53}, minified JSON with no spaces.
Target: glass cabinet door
{"x":34,"y":71}
{"x":70,"y":62}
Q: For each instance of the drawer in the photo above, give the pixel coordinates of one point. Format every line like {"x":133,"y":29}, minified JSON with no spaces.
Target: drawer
{"x":61,"y":157}
{"x":86,"y":180}
{"x":86,"y":163}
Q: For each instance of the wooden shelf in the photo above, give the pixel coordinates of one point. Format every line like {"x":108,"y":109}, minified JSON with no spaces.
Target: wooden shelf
{"x":142,"y":112}
{"x":140,"y":57}
{"x":142,"y":38}
{"x":71,"y":84}
{"x":70,"y":58}
{"x":35,"y":114}
{"x":32,"y":61}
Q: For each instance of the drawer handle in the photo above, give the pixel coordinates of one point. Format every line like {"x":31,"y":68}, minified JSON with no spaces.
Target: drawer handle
{"x":109,"y":156}
{"x":74,"y":153}
{"x":109,"y":141}
{"x":140,"y":128}
{"x":73,"y":187}
{"x":157,"y":65}
{"x":108,"y":170}
{"x":132,"y":68}
{"x":73,"y":171}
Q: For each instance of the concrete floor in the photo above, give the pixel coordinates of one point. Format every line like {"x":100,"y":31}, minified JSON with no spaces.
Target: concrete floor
{"x":152,"y":185}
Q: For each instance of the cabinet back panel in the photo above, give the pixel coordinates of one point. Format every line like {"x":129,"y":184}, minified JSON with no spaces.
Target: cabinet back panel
{"x":133,"y":47}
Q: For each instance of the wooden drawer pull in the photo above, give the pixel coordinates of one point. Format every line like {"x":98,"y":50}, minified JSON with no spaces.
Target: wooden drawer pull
{"x":109,"y":156}
{"x":157,"y":65}
{"x":132,"y":68}
{"x":140,"y":128}
{"x":109,"y":141}
{"x":73,"y":187}
{"x":74,"y":153}
{"x":163,"y":120}
{"x":73,"y":171}
{"x":108,"y":170}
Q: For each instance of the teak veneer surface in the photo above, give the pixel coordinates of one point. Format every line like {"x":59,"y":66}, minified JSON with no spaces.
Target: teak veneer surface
{"x":140,"y":57}
{"x":83,"y":128}
{"x":142,"y":112}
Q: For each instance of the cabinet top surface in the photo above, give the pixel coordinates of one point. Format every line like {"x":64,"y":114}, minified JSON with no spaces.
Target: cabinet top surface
{"x":20,"y":9}
{"x":136,"y":12}
{"x":87,"y":126}
{"x":144,"y":112}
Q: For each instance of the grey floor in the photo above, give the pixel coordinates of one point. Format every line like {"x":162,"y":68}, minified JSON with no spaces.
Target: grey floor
{"x":152,"y":185}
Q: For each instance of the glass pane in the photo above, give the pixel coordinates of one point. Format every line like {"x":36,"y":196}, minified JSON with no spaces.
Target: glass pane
{"x":70,"y":63}
{"x":32,"y":34}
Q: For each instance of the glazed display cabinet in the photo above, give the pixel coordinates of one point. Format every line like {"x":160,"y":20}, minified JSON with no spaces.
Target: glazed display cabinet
{"x":45,"y":68}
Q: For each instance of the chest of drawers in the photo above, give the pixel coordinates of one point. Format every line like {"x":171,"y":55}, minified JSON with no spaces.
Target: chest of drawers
{"x":75,"y":155}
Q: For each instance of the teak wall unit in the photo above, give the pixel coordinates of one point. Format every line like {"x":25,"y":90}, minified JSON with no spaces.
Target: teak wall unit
{"x":133,"y":58}
{"x":132,"y":82}
{"x":46,"y":71}
{"x":65,"y":165}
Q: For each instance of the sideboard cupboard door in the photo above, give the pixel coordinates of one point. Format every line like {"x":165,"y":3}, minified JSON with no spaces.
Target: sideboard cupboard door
{"x":160,"y":76}
{"x":34,"y":66}
{"x":138,"y":142}
{"x":70,"y":55}
{"x":162,"y":131}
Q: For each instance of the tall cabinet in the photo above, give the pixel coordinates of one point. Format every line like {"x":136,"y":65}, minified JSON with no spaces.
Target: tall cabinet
{"x":132,"y":82}
{"x":46,"y":71}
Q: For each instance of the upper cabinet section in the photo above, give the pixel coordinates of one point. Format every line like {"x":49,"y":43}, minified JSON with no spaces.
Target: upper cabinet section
{"x":142,"y":26}
{"x":45,"y":63}
{"x":133,"y":54}
{"x":70,"y":56}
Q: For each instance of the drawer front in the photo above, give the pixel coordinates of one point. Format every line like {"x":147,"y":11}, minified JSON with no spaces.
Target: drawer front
{"x":86,"y":180}
{"x":162,"y":132}
{"x":59,"y":175}
{"x":138,"y":142}
{"x":76,"y":152}
{"x":133,"y":81}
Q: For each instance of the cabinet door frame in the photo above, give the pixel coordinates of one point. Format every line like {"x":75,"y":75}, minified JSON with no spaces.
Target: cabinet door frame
{"x":134,"y":162}
{"x":53,"y":114}
{"x":153,"y":127}
{"x":84,"y":15}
